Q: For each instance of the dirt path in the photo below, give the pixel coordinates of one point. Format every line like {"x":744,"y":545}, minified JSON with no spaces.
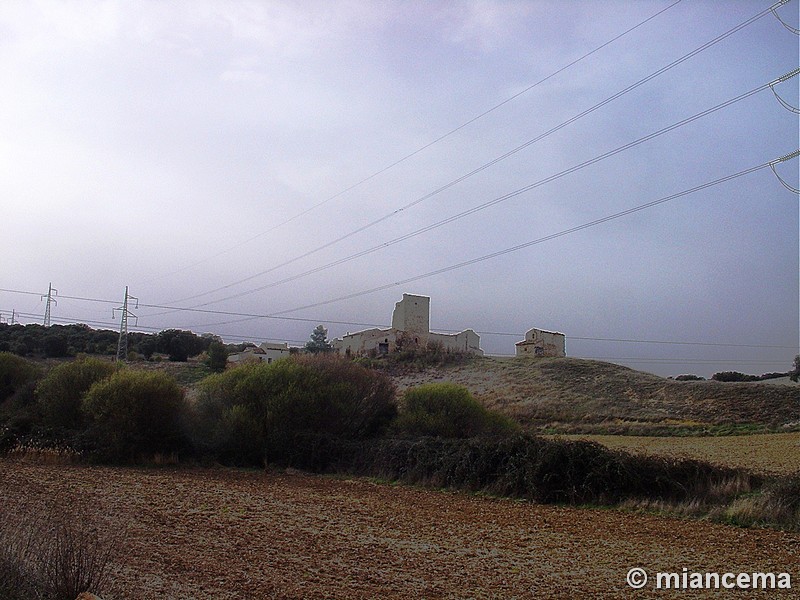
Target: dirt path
{"x":224,"y":534}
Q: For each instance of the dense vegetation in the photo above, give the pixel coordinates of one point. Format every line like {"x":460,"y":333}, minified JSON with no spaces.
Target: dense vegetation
{"x":59,"y":341}
{"x":263,"y":412}
{"x":449,"y":411}
{"x":135,"y":414}
{"x":325,"y":413}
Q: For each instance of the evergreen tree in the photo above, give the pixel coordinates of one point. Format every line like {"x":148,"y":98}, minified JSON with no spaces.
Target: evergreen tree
{"x":217,"y":357}
{"x":319,"y":341}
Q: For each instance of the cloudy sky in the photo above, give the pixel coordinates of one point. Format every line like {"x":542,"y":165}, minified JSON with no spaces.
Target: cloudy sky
{"x":308,"y":162}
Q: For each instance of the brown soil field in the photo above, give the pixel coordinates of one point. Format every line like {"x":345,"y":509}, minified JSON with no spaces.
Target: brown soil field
{"x":236,"y":534}
{"x":771,"y":453}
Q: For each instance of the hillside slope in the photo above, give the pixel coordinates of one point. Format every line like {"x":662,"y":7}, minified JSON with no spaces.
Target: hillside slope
{"x":569,"y":394}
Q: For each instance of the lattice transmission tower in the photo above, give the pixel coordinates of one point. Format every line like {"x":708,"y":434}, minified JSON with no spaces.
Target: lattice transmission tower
{"x":122,"y":344}
{"x":51,"y":294}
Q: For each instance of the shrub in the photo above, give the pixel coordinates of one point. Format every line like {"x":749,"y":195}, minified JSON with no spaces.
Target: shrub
{"x":15,"y":372}
{"x":256,"y":412}
{"x":448,"y":410}
{"x":542,"y":470}
{"x":689,"y":377}
{"x":217,"y":357}
{"x":134,"y":414}
{"x":53,"y":551}
{"x":729,"y":376}
{"x":55,"y":346}
{"x":60,"y":393}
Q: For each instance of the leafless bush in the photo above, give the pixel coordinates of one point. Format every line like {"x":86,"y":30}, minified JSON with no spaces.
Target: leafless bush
{"x":52,"y":550}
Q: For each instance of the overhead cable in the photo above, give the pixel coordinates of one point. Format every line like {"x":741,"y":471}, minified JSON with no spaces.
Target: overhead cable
{"x":784,"y":159}
{"x":777,"y":16}
{"x":494,"y":201}
{"x":493,"y":162}
{"x":424,"y":147}
{"x":528,"y":244}
{"x":783,"y":103}
{"x":111,"y":324}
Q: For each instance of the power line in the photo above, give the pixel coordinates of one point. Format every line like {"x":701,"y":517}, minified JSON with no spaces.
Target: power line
{"x":109,"y":325}
{"x":784,"y":159}
{"x":488,"y":204}
{"x":777,"y":16}
{"x":493,"y":162}
{"x":281,"y":315}
{"x":698,"y":361}
{"x":420,"y":149}
{"x":532,"y":242}
{"x":640,"y":341}
{"x":66,"y":319}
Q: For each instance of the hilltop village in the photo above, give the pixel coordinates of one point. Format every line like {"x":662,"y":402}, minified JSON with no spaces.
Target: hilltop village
{"x":411,"y":328}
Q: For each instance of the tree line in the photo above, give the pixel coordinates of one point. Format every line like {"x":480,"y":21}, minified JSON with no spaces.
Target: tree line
{"x":60,"y":341}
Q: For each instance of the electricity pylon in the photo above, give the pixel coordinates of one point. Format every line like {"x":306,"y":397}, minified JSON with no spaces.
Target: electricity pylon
{"x":122,"y":344}
{"x":51,"y":293}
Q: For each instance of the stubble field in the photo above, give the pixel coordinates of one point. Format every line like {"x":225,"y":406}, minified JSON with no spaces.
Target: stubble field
{"x":225,"y":534}
{"x":769,"y":453}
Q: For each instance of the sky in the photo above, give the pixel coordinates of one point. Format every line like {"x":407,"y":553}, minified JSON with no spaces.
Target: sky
{"x":269,"y":166}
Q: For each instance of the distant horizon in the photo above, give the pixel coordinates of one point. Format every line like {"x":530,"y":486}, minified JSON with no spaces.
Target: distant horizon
{"x":612,"y":171}
{"x":298,"y":344}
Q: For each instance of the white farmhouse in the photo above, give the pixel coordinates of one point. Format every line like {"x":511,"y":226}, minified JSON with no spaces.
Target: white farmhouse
{"x":267,"y":352}
{"x":539,"y":342}
{"x":410,"y":327}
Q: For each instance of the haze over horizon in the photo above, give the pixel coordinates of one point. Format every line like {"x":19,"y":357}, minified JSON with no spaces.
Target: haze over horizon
{"x":523,"y":163}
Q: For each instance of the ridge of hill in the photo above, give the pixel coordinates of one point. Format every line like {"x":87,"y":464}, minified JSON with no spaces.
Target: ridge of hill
{"x":572,"y":395}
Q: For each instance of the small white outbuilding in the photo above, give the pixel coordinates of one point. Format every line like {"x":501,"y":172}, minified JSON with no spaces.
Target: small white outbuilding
{"x":539,"y":342}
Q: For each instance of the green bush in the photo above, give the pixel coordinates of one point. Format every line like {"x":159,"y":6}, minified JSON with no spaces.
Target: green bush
{"x":257,"y":412}
{"x":217,"y":357}
{"x":728,"y":376}
{"x":60,"y":393}
{"x":449,"y":411}
{"x":689,"y":377}
{"x":135,"y":414}
{"x":15,"y":372}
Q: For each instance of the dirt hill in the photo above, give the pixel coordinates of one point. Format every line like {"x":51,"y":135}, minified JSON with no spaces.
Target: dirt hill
{"x":576,"y":395}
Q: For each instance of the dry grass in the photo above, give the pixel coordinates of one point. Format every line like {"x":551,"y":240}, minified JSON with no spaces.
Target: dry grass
{"x":770,"y":453}
{"x":585,"y":396}
{"x":46,"y":456}
{"x":51,"y":547}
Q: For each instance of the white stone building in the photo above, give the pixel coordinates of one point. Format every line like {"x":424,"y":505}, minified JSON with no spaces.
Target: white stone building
{"x":538,"y":342}
{"x":267,"y":352}
{"x":410,"y":327}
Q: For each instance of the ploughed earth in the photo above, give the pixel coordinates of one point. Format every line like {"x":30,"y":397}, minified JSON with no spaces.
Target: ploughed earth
{"x":227,"y":533}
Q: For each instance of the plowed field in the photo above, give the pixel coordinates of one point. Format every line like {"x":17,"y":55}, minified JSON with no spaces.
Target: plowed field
{"x":224,"y":534}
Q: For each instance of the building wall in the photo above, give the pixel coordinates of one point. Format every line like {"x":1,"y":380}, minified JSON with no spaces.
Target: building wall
{"x":542,"y":343}
{"x":273,"y":352}
{"x":410,"y":326}
{"x":466,"y":341}
{"x":363,"y":342}
{"x":266,"y":352}
{"x":413,"y":315}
